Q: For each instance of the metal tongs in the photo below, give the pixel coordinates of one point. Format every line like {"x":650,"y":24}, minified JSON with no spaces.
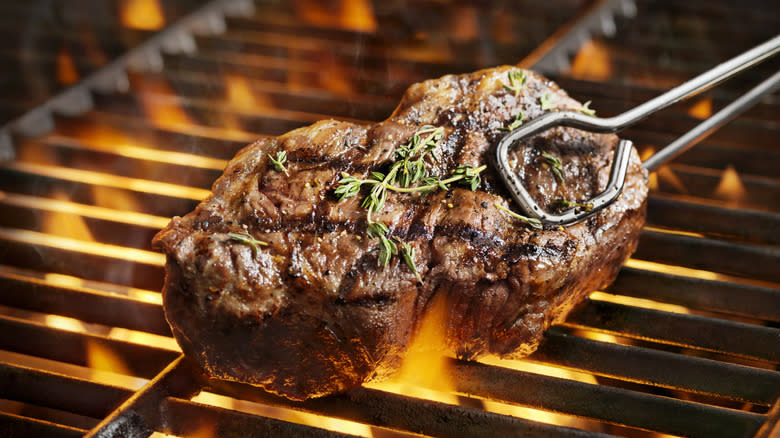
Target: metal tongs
{"x":621,"y":158}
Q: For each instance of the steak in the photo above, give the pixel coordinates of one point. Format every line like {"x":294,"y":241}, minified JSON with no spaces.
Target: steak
{"x":277,"y":282}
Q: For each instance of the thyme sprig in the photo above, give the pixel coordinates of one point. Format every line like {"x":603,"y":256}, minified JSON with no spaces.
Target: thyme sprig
{"x":547,"y":101}
{"x":517,"y":80}
{"x":555,"y":165}
{"x":249,"y":240}
{"x":531,"y":221}
{"x":587,"y":110}
{"x":516,"y":123}
{"x":278,"y":161}
{"x":564,"y":204}
{"x":408,"y":174}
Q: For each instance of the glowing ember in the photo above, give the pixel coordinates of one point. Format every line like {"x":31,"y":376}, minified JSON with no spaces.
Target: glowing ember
{"x":66,"y":68}
{"x":730,"y":187}
{"x":701,"y":109}
{"x":142,"y":14}
{"x":592,"y":62}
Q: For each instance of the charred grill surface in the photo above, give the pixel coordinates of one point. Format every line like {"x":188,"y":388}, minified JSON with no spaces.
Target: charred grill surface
{"x":315,"y":313}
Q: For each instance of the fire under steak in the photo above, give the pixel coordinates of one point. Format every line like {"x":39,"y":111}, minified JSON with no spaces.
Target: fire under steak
{"x":307,"y":273}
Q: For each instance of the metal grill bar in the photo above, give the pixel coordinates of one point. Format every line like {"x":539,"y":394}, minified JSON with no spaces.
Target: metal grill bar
{"x":613,"y":405}
{"x":56,"y":391}
{"x":659,"y":368}
{"x":757,"y":226}
{"x":758,"y":262}
{"x":187,"y":418}
{"x":87,"y":305}
{"x":697,"y":293}
{"x":36,"y":339}
{"x":690,"y":331}
{"x":407,"y":413}
{"x":22,"y":427}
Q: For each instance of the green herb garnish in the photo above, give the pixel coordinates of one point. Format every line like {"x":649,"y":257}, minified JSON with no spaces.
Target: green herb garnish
{"x":408,"y":174}
{"x":249,"y":240}
{"x":407,"y":253}
{"x":587,"y":110}
{"x":531,"y":221}
{"x":278,"y":162}
{"x":518,"y":120}
{"x":555,"y":165}
{"x":563,"y":204}
{"x":547,"y":101}
{"x":517,"y":80}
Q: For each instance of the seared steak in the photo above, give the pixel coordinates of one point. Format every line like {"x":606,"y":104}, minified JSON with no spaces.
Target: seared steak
{"x":316,"y":312}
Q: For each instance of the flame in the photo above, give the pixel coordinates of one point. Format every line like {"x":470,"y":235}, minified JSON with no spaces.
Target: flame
{"x":100,"y":357}
{"x":425,"y":371}
{"x":652,"y":182}
{"x":161,"y":103}
{"x":66,"y":68}
{"x":240,"y":94}
{"x":592,"y":62}
{"x":665,"y":174}
{"x":702,"y":109}
{"x":356,"y":15}
{"x":65,"y":224}
{"x":142,"y":14}
{"x":465,"y":24}
{"x":730,"y":187}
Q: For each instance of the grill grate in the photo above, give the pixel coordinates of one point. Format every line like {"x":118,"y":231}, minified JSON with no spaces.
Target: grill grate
{"x":684,"y":343}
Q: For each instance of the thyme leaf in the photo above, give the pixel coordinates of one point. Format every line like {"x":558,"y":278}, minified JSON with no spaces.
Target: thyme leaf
{"x":518,"y":120}
{"x":249,"y":240}
{"x":555,"y":165}
{"x":547,"y":101}
{"x":563,"y":204}
{"x":517,"y":80}
{"x":408,"y":174}
{"x":587,"y":110}
{"x":531,"y":221}
{"x":407,"y":254}
{"x":278,"y":161}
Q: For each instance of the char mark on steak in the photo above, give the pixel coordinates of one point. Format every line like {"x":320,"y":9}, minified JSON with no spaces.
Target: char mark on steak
{"x":314,"y":312}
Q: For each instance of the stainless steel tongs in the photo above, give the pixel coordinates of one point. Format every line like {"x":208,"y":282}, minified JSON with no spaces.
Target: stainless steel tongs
{"x":621,"y":160}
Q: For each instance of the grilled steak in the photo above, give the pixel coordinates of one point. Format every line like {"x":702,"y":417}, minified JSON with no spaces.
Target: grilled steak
{"x":316,"y":312}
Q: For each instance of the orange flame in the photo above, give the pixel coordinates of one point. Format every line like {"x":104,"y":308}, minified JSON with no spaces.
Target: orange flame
{"x":730,"y":187}
{"x":465,"y":24}
{"x":592,"y":62}
{"x":161,"y":103}
{"x":425,"y":372}
{"x":65,"y":224}
{"x":240,"y":95}
{"x":357,"y":15}
{"x":66,"y":68}
{"x":142,"y":14}
{"x":701,"y":109}
{"x":666,"y":175}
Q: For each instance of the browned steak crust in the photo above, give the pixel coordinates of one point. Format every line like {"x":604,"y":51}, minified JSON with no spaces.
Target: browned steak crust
{"x":314,"y":313}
